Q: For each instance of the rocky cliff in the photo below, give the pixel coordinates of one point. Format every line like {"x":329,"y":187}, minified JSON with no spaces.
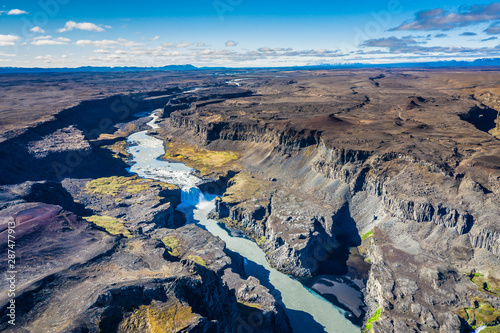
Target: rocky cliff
{"x":120,"y":269}
{"x":419,"y":194}
{"x":99,"y":249}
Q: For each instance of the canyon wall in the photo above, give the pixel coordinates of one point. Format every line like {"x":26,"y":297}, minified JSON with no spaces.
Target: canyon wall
{"x":428,"y":223}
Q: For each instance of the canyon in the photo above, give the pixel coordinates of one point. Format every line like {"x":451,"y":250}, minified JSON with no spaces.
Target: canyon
{"x":383,"y":183}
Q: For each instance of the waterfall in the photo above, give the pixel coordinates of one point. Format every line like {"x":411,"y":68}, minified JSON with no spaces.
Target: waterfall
{"x":190,"y":197}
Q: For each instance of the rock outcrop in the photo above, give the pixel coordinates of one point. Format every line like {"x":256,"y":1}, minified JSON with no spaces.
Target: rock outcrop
{"x":73,"y":277}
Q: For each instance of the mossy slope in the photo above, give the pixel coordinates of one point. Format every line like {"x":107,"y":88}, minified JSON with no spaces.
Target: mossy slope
{"x":204,"y":161}
{"x":112,"y":186}
{"x":112,"y":225}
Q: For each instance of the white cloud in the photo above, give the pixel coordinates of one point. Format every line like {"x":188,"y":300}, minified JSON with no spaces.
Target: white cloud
{"x":107,"y":43}
{"x":42,"y":37}
{"x":127,"y":43}
{"x":201,"y":44}
{"x":178,"y":45}
{"x":155,"y":38}
{"x":50,"y":41}
{"x":440,"y":19}
{"x":46,"y":59}
{"x":16,"y":12}
{"x":214,"y":52}
{"x":108,"y":58}
{"x":6,"y":55}
{"x":87,"y":26}
{"x":37,"y":30}
{"x":183,"y":44}
{"x":266,"y":49}
{"x":6,"y":40}
{"x":97,"y":43}
{"x":102,"y":51}
{"x":230,"y":43}
{"x":172,"y":54}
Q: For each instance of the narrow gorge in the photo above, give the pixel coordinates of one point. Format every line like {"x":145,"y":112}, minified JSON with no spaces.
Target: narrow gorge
{"x":261,"y":202}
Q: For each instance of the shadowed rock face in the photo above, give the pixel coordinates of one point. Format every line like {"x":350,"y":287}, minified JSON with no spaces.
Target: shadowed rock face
{"x":482,"y":118}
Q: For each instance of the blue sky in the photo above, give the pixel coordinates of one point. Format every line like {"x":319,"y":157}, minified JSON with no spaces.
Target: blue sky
{"x":238,"y":33}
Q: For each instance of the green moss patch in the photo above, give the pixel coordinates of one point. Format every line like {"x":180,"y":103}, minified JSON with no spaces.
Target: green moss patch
{"x":486,"y":283}
{"x":247,"y":308}
{"x":119,"y":150}
{"x":261,"y":240}
{"x":198,"y":260}
{"x":481,"y":313}
{"x":367,"y":235}
{"x":491,"y":329}
{"x":244,"y":305}
{"x":137,"y":188}
{"x":112,"y":225}
{"x":243,"y":187}
{"x":112,"y":186}
{"x":173,"y":245}
{"x":159,"y":317}
{"x":374,"y":318}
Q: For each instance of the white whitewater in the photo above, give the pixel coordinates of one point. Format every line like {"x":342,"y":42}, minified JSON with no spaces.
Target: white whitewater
{"x":146,"y":150}
{"x":301,"y":304}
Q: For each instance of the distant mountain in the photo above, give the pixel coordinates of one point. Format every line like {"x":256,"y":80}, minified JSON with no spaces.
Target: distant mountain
{"x":490,"y":62}
{"x":486,"y":62}
{"x":8,"y":70}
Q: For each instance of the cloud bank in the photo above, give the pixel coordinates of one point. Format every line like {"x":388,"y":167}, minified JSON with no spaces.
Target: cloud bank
{"x":87,"y":26}
{"x":439,"y":19}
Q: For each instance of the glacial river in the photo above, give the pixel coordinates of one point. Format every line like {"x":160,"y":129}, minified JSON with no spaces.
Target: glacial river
{"x":307,"y":311}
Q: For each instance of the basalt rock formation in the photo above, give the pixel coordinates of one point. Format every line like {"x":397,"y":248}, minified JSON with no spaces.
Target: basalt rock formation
{"x":124,"y":274}
{"x":333,"y":162}
{"x":401,"y":164}
{"x":95,"y":246}
{"x":75,"y":278}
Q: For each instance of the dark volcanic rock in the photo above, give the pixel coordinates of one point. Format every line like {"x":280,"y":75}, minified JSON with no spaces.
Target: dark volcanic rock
{"x":74,"y":278}
{"x":354,"y":157}
{"x":420,"y":183}
{"x":192,"y":244}
{"x":142,"y":204}
{"x":290,"y":228}
{"x":47,"y":192}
